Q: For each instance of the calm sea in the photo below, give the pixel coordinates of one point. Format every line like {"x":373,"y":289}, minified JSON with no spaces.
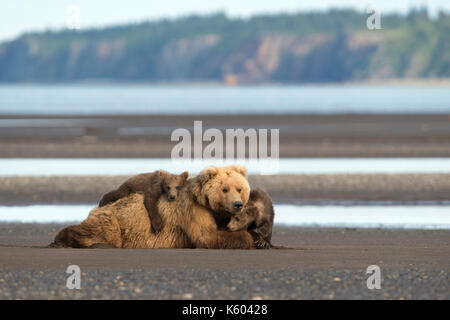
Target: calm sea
{"x":164,"y":99}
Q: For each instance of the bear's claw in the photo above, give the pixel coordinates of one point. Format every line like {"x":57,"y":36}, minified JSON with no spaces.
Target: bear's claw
{"x":259,"y":241}
{"x":262,"y":244}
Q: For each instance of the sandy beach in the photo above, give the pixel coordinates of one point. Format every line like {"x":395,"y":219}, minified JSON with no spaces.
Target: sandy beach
{"x":295,"y":188}
{"x":148,"y":136}
{"x":322,"y":264}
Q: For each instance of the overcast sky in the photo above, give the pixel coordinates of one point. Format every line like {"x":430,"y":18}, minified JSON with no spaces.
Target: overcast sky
{"x":18,"y":16}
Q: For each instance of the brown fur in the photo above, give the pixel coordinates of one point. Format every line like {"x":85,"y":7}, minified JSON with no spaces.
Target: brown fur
{"x":152,"y":185}
{"x":188,"y":221}
{"x":257,"y":216}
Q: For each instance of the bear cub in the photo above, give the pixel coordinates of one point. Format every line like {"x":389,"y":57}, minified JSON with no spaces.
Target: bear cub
{"x":257,"y":217}
{"x":152,"y":185}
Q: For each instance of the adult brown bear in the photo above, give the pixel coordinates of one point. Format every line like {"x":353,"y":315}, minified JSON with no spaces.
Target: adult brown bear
{"x":188,"y":222}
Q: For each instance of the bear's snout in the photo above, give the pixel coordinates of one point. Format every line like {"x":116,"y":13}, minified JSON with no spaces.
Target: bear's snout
{"x":237,"y":205}
{"x":171,"y":197}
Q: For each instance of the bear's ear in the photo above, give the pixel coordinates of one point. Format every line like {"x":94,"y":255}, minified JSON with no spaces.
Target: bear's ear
{"x":240,"y":169}
{"x":184,"y":175}
{"x":162,"y":174}
{"x":209,"y":172}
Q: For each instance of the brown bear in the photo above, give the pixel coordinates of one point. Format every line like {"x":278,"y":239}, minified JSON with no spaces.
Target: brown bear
{"x":188,"y":221}
{"x":257,"y":215}
{"x":152,"y":185}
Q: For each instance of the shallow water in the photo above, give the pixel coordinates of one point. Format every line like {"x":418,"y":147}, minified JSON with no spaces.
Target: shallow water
{"x":51,"y":167}
{"x":85,"y":99}
{"x":387,"y":217}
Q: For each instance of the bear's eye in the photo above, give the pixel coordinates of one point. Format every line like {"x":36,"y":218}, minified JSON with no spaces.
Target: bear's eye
{"x":225,"y":190}
{"x":239,"y":190}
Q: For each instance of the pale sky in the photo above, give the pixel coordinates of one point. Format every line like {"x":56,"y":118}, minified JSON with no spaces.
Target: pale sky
{"x":18,"y":16}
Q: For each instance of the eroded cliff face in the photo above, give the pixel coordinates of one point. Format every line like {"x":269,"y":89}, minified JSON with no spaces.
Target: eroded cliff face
{"x":177,"y":58}
{"x":312,"y":58}
{"x":233,"y":53}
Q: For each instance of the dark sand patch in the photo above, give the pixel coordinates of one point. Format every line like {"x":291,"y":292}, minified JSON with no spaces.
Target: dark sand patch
{"x":324,"y":264}
{"x":293,"y":188}
{"x":347,"y":135}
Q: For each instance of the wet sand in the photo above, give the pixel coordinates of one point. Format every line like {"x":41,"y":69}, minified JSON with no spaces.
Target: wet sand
{"x":323,"y":264}
{"x":146,"y":136}
{"x":296,"y":189}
